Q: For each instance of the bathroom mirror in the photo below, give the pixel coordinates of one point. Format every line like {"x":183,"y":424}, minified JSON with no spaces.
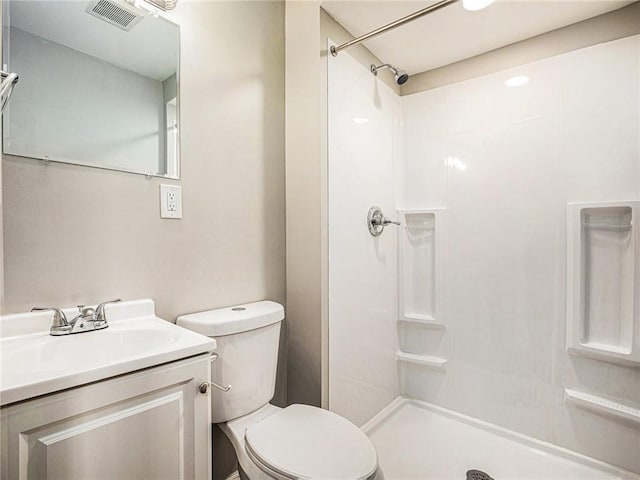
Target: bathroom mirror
{"x":98,"y":85}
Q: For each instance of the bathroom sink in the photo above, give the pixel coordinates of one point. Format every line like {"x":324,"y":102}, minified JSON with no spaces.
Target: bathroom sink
{"x":44,"y":355}
{"x":36,"y":363}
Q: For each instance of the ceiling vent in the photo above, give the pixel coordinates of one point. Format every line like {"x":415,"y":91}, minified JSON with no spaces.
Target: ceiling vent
{"x":118,"y":14}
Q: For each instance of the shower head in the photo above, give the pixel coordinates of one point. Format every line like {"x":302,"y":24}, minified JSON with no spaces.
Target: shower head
{"x":400,"y":75}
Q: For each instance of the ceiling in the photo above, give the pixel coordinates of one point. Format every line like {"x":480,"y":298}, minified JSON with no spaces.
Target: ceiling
{"x":150,"y":48}
{"x":452,"y":33}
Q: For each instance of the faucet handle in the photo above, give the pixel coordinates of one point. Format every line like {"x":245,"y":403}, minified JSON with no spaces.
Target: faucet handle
{"x":100,"y":315}
{"x":60,"y":323}
{"x":85,"y":312}
{"x":59,"y":318}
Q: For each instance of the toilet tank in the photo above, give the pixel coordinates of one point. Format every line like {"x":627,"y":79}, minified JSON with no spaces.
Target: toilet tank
{"x":247,"y":338}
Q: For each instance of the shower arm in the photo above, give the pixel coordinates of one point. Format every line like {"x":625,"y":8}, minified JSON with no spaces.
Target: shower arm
{"x":398,"y":23}
{"x":375,"y":69}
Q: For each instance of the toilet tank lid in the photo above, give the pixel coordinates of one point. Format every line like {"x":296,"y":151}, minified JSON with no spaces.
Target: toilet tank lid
{"x":230,"y":320}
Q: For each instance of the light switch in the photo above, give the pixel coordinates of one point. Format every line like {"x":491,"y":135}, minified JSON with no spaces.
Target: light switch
{"x":170,"y":201}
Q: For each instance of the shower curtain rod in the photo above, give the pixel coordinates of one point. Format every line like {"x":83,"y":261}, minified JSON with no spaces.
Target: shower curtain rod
{"x":398,"y":23}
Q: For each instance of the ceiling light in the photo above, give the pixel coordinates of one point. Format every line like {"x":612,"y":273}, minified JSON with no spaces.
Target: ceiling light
{"x":474,"y":5}
{"x":517,"y":81}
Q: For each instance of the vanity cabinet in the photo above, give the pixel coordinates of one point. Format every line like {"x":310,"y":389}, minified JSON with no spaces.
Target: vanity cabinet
{"x":149,"y":424}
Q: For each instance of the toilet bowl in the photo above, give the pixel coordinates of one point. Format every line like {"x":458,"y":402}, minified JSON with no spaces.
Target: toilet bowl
{"x":296,"y":442}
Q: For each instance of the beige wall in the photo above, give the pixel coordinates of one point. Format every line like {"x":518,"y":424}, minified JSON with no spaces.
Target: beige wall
{"x":82,"y":235}
{"x":302,"y":29}
{"x":75,"y":234}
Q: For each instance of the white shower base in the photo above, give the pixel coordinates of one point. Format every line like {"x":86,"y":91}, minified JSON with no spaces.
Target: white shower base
{"x":417,"y":440}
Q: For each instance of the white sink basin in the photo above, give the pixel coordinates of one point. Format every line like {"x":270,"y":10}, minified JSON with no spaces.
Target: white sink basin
{"x":36,"y":363}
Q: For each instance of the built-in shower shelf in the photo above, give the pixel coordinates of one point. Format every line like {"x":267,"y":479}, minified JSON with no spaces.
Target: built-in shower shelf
{"x":603,"y":347}
{"x":612,"y":226}
{"x":421,"y":265}
{"x":418,"y":227}
{"x":603,"y":247}
{"x":602,"y":405}
{"x":424,"y":360}
{"x":423,"y":320}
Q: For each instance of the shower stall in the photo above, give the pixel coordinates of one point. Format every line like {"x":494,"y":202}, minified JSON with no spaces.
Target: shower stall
{"x":497,"y":327}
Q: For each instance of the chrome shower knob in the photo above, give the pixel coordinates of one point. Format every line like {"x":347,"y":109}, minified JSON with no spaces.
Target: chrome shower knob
{"x":376,"y":221}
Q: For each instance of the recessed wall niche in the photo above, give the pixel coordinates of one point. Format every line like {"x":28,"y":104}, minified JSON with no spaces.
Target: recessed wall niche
{"x":420,"y":266}
{"x":602,"y":281}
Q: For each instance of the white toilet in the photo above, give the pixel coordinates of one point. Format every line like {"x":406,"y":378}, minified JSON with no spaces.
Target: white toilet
{"x":297,"y":442}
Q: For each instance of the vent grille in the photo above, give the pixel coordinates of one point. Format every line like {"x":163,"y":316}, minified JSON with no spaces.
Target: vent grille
{"x":114,"y":14}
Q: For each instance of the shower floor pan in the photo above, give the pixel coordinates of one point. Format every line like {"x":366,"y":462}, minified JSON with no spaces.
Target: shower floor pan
{"x":419,"y":441}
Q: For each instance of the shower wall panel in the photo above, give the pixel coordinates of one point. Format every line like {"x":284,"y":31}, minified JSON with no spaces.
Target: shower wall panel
{"x":363,"y":123}
{"x":505,"y":162}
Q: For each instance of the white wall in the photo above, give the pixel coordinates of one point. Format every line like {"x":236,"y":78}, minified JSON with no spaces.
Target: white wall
{"x":307,"y":30}
{"x":306,"y":166}
{"x":1,"y":195}
{"x":83,"y":109}
{"x":505,"y":162}
{"x":364,"y":119}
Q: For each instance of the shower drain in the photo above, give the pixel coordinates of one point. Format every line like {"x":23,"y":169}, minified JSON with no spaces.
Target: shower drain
{"x":477,"y":475}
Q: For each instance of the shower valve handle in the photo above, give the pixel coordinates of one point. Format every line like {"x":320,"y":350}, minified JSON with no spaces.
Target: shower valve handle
{"x":376,"y":221}
{"x":386,"y":221}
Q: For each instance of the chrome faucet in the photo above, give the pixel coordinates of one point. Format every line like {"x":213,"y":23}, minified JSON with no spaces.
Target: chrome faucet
{"x":87,"y":320}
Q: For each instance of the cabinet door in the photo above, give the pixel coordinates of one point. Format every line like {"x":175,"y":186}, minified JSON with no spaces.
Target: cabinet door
{"x":152,"y":424}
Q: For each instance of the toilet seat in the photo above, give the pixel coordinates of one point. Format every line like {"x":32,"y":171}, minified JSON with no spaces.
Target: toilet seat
{"x":308,"y":442}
